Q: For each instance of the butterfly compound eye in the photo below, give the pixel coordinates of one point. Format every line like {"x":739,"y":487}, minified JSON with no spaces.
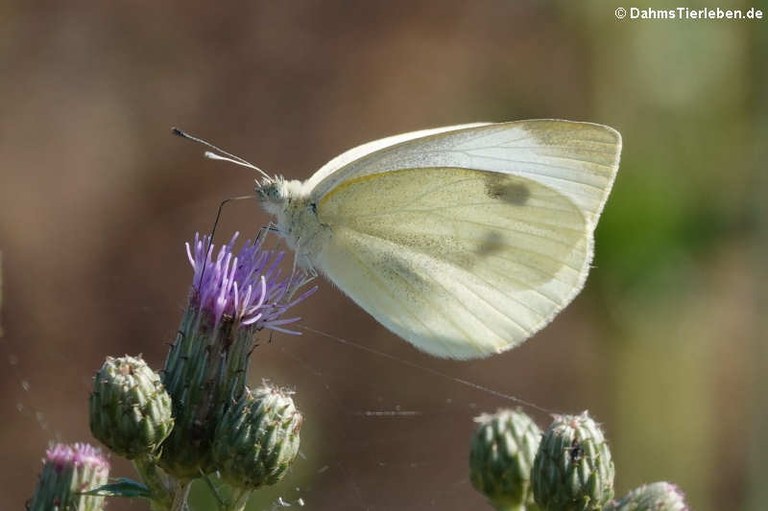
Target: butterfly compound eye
{"x":267,"y":191}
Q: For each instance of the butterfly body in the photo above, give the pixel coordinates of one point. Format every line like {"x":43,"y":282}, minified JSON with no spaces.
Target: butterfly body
{"x":463,"y":240}
{"x":295,"y":218}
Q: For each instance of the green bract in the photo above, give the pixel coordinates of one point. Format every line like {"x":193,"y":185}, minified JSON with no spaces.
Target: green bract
{"x":573,"y":470}
{"x":661,"y":496}
{"x":258,"y":438}
{"x":503,"y":449}
{"x":130,"y":411}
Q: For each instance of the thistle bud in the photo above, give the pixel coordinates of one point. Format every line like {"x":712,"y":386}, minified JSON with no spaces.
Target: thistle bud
{"x":69,"y":470}
{"x":130,"y":411}
{"x":258,"y":438}
{"x":503,"y":448}
{"x":573,"y":468}
{"x":661,"y":496}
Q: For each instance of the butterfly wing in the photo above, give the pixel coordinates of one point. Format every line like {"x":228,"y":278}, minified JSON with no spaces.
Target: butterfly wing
{"x":465,"y":242}
{"x":349,"y":159}
{"x":578,"y":159}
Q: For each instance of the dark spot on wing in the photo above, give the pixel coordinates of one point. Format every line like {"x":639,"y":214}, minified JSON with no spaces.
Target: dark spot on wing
{"x":492,"y":242}
{"x":506,"y":189}
{"x":396,"y":268}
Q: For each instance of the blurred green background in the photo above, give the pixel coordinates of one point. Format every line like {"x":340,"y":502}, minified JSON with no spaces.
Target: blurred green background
{"x":666,"y":345}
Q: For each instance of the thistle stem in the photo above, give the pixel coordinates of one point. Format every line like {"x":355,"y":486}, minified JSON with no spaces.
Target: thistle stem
{"x":161,"y":499}
{"x":238,"y":500}
{"x":180,"y":496}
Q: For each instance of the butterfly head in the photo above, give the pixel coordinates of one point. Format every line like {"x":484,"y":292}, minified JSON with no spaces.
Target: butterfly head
{"x":294,"y":217}
{"x":269,"y":189}
{"x":277,"y":193}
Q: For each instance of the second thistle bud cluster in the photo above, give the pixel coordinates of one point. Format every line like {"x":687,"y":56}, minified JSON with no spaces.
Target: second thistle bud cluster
{"x":570,"y":469}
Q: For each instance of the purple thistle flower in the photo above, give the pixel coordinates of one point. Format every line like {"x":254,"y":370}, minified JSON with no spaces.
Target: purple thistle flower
{"x":77,"y":455}
{"x":245,"y":287}
{"x":234,"y":295}
{"x":68,"y":472}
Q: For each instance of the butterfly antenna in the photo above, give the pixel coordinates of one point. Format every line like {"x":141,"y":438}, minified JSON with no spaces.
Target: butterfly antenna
{"x":219,"y":154}
{"x":216,"y":224}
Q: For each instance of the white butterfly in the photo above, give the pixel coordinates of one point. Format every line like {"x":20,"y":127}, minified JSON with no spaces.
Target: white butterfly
{"x":463,"y":240}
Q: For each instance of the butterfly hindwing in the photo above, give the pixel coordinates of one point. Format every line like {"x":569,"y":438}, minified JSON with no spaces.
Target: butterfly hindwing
{"x":462,"y":263}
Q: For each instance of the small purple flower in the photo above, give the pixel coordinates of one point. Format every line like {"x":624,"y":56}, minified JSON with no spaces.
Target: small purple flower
{"x":76,"y":455}
{"x":246,"y":287}
{"x":69,"y":471}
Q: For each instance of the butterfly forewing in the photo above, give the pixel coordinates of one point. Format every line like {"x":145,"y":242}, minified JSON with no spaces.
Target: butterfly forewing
{"x":579,"y":160}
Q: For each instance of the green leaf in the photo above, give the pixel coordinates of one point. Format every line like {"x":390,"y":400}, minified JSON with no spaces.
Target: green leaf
{"x":122,"y":487}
